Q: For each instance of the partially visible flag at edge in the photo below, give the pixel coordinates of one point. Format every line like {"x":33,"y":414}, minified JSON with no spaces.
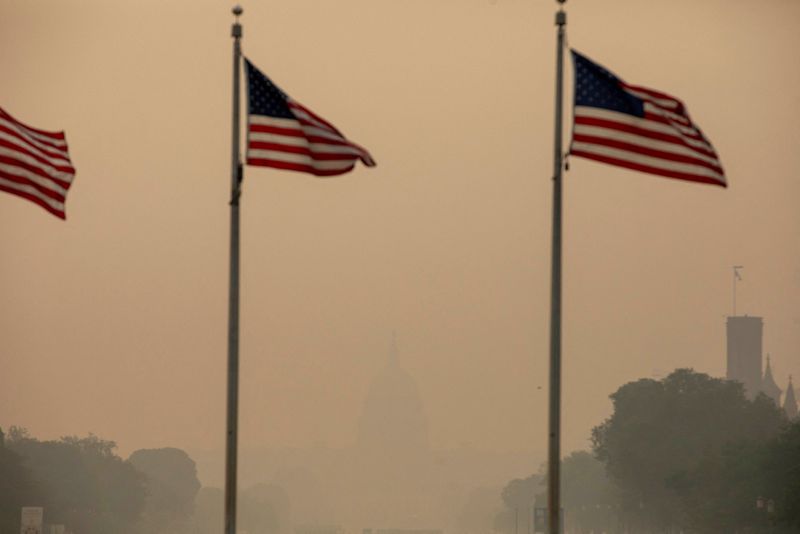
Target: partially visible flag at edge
{"x":284,"y":134}
{"x":34,"y":164}
{"x":638,"y":128}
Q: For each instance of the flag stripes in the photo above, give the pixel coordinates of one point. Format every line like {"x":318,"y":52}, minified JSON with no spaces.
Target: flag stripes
{"x":638,"y":128}
{"x":284,"y":134}
{"x":34,"y":164}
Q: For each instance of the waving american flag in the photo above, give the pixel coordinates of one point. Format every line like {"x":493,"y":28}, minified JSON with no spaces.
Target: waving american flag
{"x":34,"y":164}
{"x":284,"y":134}
{"x":638,"y":128}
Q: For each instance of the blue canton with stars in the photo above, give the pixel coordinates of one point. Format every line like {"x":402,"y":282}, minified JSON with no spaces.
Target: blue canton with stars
{"x":598,"y":88}
{"x":265,"y":98}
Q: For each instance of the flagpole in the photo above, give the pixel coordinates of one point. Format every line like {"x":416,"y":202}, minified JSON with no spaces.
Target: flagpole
{"x":554,"y":435}
{"x":232,"y":422}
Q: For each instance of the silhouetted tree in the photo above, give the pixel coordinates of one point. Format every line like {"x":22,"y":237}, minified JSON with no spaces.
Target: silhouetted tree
{"x":17,"y":488}
{"x":588,"y":497}
{"x":781,"y":467}
{"x":520,"y":496}
{"x":522,"y":491}
{"x":681,"y":451}
{"x":83,"y":483}
{"x":172,"y":484}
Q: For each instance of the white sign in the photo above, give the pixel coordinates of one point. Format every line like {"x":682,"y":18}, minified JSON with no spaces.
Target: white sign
{"x":32,"y":517}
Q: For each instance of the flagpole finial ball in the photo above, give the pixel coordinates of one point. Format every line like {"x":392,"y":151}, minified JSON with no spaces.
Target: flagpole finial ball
{"x":237,"y":10}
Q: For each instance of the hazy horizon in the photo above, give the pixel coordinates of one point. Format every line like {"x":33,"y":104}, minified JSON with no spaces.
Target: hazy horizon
{"x":114,"y":321}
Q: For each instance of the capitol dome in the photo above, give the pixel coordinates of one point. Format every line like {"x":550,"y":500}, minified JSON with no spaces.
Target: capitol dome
{"x":393,"y":418}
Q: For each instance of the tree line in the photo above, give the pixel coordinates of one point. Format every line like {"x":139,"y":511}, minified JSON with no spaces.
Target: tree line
{"x":83,"y":484}
{"x":685,"y":454}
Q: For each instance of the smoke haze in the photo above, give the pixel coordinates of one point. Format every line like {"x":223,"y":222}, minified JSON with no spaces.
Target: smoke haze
{"x":114,"y":322}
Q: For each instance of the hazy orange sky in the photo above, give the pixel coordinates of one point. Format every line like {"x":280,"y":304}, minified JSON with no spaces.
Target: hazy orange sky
{"x":114,"y":322}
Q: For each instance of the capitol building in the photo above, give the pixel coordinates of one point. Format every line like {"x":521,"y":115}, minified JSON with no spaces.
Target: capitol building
{"x":391,"y":477}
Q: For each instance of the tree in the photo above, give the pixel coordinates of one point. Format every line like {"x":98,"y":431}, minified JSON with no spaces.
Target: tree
{"x":119,"y":486}
{"x":781,"y":467}
{"x":83,"y":484}
{"x":172,"y":485}
{"x":588,"y":497}
{"x":17,"y":488}
{"x":520,"y":496}
{"x":671,"y":445}
{"x":522,"y":491}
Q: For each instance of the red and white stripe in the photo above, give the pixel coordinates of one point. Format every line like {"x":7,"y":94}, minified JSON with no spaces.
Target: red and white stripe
{"x":34,"y":164}
{"x":307,"y":143}
{"x":663,"y":142}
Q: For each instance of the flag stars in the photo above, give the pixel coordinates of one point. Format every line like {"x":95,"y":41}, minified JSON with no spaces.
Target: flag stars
{"x":294,"y":144}
{"x":265,"y":97}
{"x":597,"y":87}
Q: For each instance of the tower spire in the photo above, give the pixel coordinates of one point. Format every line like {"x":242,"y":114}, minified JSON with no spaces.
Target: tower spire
{"x":790,"y":403}
{"x":769,"y":386}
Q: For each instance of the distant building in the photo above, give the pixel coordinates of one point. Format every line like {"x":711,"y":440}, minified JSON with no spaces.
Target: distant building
{"x":789,"y":403}
{"x":390,"y":478}
{"x":745,"y":338}
{"x":393,"y":419}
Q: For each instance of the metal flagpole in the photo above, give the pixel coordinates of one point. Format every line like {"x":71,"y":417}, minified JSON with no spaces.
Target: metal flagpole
{"x":554,"y":439}
{"x":233,"y":295}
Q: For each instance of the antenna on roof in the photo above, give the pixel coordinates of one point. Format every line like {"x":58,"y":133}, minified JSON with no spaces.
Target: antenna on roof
{"x":736,"y":277}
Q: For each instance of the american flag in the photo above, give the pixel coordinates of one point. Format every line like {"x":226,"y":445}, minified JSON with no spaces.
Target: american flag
{"x":34,"y":164}
{"x":638,"y":128}
{"x":284,"y":134}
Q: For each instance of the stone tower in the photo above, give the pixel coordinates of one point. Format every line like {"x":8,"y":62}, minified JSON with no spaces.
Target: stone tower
{"x":744,"y":342}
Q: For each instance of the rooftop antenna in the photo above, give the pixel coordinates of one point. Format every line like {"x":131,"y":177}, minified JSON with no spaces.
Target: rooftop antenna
{"x":736,"y":277}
